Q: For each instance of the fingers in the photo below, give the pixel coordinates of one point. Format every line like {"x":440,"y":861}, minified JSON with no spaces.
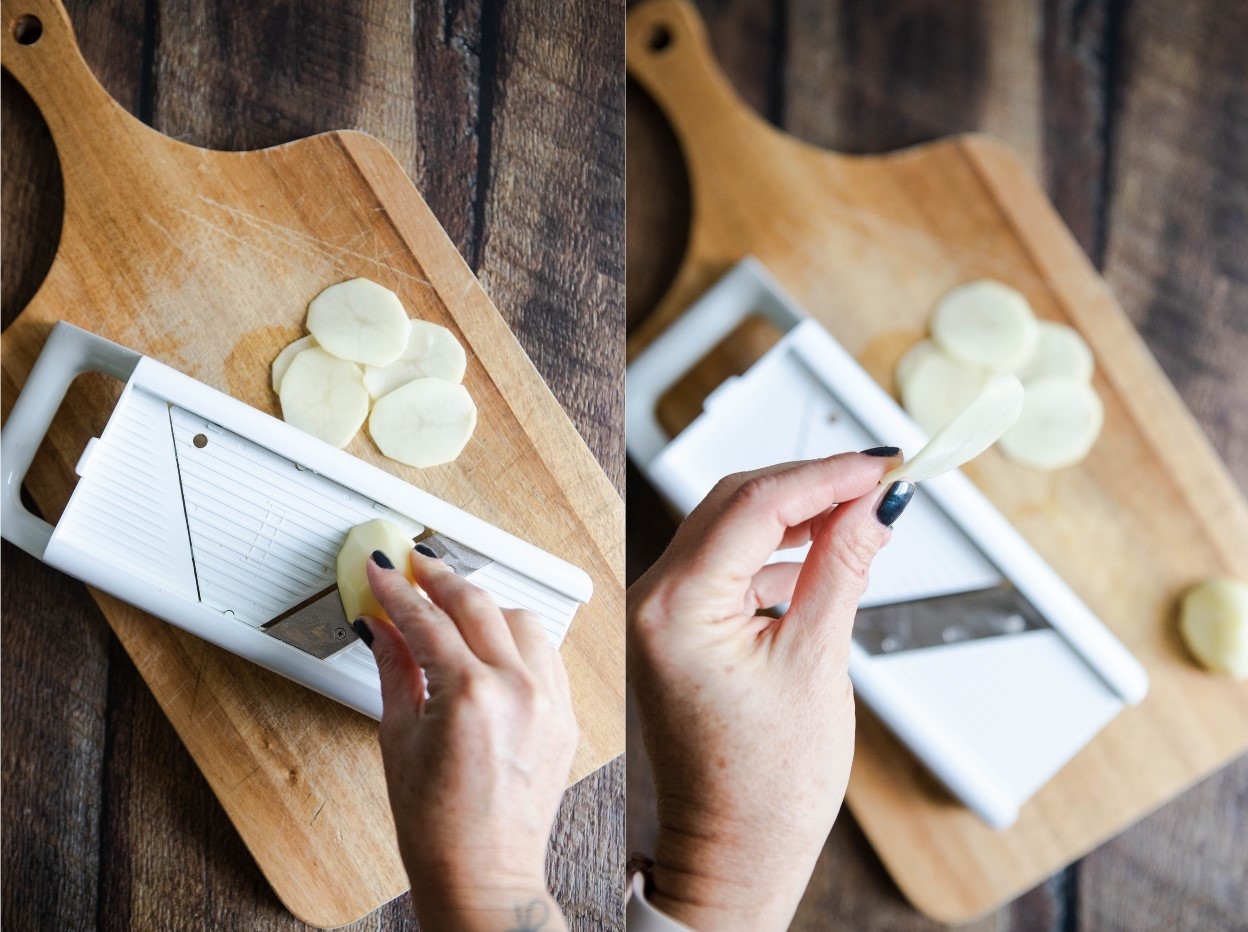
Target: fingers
{"x":772,"y":585}
{"x":434,"y":640}
{"x":530,"y":639}
{"x":402,"y":683}
{"x":836,"y":571}
{"x":762,"y":508}
{"x":473,"y":610}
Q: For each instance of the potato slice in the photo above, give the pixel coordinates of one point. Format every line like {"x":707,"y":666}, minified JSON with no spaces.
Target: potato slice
{"x":361,"y":321}
{"x":432,"y":353}
{"x":1214,"y":624}
{"x":424,"y":423}
{"x":1061,"y":419}
{"x":324,"y":396}
{"x":286,"y":356}
{"x":987,"y":325}
{"x":972,"y":431}
{"x":362,"y":540}
{"x":910,"y":360}
{"x":1060,"y":350}
{"x":936,"y":387}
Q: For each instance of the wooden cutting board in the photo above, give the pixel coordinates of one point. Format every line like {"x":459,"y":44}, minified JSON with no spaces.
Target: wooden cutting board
{"x":206,"y":261}
{"x":867,"y":245}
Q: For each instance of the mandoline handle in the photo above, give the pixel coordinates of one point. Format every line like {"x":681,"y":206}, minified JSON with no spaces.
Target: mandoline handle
{"x":69,"y":352}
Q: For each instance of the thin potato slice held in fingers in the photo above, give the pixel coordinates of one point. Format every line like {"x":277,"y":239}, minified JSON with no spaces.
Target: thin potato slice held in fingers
{"x":985,"y":324}
{"x":1061,"y":420}
{"x":424,"y":423}
{"x":432,"y":353}
{"x":1059,"y":351}
{"x":324,"y":396}
{"x":353,"y":588}
{"x":361,"y":321}
{"x":936,"y":387}
{"x":968,"y":434}
{"x":286,"y":357}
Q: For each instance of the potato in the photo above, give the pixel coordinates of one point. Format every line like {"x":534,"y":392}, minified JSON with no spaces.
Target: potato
{"x":362,"y":540}
{"x":935,"y":386}
{"x":1061,"y":420}
{"x":969,"y":433}
{"x":424,"y":423}
{"x":432,"y":353}
{"x":986,"y":324}
{"x":361,"y":321}
{"x":910,"y":360}
{"x":1059,"y":351}
{"x":286,"y":357}
{"x":324,"y":396}
{"x":1214,"y":624}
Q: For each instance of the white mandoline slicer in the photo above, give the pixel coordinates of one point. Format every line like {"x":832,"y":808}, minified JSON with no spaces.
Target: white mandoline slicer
{"x":227,"y":522}
{"x":967,"y":645}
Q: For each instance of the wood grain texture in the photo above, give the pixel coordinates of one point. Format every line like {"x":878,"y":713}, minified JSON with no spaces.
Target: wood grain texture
{"x":1084,"y":65}
{"x":246,"y":76}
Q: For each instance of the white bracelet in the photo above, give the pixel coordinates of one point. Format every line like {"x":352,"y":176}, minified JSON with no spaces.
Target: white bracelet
{"x":642,"y":917}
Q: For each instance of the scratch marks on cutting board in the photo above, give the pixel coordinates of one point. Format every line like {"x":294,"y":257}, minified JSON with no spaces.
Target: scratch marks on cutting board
{"x":316,"y":814}
{"x":302,"y":240}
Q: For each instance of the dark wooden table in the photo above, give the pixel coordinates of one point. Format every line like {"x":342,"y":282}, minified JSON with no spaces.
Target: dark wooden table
{"x":107,"y":823}
{"x":1135,"y":117}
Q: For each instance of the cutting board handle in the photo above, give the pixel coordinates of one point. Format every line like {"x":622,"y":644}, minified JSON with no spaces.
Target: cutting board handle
{"x":669,"y":54}
{"x":40,"y":51}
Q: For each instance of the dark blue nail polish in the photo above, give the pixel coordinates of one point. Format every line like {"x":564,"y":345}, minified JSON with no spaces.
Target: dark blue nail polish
{"x":361,"y":628}
{"x":882,"y":451}
{"x":426,"y":551}
{"x":382,"y":560}
{"x":894,"y":503}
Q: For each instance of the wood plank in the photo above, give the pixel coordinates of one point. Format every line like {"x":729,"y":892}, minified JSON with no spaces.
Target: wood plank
{"x":586,"y":861}
{"x":447,"y":144}
{"x":1179,"y":200}
{"x":53,"y":713}
{"x":871,"y":78}
{"x":1078,"y":38}
{"x":1181,"y":869}
{"x":1172,"y":245}
{"x":555,"y":133}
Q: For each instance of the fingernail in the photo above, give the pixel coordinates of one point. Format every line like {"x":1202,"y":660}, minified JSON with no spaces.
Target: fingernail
{"x":894,"y":502}
{"x":361,"y":628}
{"x":426,"y":551}
{"x":382,"y":560}
{"x":882,"y":451}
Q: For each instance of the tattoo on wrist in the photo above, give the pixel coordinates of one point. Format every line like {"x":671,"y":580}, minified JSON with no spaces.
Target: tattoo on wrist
{"x":530,"y":916}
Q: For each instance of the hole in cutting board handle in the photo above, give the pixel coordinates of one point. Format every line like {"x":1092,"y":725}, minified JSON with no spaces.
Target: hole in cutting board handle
{"x":660,"y":38}
{"x":28,"y":29}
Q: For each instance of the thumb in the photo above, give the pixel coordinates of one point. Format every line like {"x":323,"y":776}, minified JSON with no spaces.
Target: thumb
{"x":837,"y":568}
{"x":402,"y":682}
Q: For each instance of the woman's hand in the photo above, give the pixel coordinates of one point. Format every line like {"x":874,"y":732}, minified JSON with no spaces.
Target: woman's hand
{"x":749,"y":720}
{"x":476,"y":770}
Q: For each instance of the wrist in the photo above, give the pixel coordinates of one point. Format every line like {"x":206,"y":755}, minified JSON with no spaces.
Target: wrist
{"x":489,"y":908}
{"x":723,"y":881}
